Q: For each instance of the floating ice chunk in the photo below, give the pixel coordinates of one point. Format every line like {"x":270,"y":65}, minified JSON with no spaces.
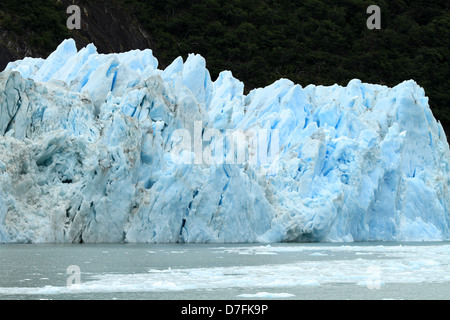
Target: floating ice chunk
{"x":267,"y":295}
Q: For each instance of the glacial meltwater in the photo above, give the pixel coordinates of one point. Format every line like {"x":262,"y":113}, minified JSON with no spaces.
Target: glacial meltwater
{"x":226,"y":272}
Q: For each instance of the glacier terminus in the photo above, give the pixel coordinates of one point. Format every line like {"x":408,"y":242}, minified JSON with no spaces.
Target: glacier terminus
{"x":87,"y":155}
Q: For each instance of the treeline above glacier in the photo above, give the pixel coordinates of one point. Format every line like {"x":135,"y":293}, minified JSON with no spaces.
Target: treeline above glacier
{"x":89,"y":152}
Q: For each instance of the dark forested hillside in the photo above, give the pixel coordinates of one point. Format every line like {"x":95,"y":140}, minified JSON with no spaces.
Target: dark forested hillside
{"x":36,"y":27}
{"x":308,"y":41}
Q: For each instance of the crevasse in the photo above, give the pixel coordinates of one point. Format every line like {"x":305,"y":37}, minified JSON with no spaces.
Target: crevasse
{"x":86,"y":155}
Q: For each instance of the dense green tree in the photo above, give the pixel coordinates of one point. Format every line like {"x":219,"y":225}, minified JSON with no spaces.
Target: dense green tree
{"x":42,"y":23}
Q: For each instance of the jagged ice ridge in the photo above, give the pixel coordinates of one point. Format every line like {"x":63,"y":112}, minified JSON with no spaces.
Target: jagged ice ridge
{"x":86,"y":141}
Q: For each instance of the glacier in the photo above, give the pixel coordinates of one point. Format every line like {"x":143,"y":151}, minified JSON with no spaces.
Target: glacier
{"x":87,"y":155}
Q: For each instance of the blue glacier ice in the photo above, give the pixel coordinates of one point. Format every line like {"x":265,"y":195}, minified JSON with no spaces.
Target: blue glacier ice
{"x":87,"y":155}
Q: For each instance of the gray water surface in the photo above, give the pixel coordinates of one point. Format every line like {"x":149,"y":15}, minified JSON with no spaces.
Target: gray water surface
{"x":226,"y":272}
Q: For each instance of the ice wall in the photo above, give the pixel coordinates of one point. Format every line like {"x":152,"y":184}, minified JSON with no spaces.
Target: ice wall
{"x":87,"y":146}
